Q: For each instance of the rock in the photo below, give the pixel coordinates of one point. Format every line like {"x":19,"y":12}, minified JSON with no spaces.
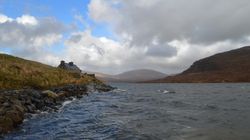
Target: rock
{"x":35,"y":101}
{"x":50,"y":94}
{"x":2,"y":99}
{"x":79,"y":96}
{"x":62,"y":95}
{"x":19,"y":108}
{"x":2,"y":111}
{"x":6,"y":104}
{"x":35,"y":94}
{"x":103,"y":88}
{"x":15,"y":116}
{"x":31,"y":108}
{"x":6,"y":124}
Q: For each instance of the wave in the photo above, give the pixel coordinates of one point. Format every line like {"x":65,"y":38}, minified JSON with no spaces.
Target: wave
{"x":166,"y":91}
{"x":119,"y":90}
{"x":67,"y":102}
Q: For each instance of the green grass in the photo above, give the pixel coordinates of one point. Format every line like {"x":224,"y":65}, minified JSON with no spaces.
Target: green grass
{"x":17,"y":73}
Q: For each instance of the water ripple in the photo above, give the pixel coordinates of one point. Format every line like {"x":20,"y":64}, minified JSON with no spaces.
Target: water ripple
{"x":148,"y":111}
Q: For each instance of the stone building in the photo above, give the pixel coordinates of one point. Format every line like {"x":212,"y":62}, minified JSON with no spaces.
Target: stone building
{"x":69,"y":66}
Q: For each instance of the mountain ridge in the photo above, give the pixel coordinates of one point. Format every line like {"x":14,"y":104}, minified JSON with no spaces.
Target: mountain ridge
{"x":229,"y":66}
{"x":138,"y":75}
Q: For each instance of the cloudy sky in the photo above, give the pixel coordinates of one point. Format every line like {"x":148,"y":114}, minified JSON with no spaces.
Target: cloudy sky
{"x":113,"y":36}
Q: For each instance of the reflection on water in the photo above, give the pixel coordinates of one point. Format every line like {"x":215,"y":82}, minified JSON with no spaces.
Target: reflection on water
{"x":149,"y":111}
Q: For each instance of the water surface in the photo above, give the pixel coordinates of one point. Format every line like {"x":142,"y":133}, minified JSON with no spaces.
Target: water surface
{"x":149,"y":111}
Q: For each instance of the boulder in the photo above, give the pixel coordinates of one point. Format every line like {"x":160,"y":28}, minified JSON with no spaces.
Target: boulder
{"x":15,"y":116}
{"x":6,"y":124}
{"x":50,"y":94}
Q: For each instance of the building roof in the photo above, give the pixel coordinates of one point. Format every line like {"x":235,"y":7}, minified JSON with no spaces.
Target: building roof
{"x":69,"y":66}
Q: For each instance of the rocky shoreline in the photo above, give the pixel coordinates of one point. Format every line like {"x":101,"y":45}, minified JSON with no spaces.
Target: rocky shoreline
{"x":16,"y":105}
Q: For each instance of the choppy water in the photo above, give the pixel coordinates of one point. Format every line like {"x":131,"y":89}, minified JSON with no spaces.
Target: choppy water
{"x":149,"y":111}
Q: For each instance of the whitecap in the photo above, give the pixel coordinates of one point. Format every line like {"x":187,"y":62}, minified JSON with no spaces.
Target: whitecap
{"x":165,"y":91}
{"x":44,"y":112}
{"x":119,"y":90}
{"x":66,"y":103}
{"x":25,"y":120}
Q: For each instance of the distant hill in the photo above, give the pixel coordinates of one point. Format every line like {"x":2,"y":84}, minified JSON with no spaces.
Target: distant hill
{"x":231,"y":66}
{"x":133,"y":76}
{"x":16,"y":73}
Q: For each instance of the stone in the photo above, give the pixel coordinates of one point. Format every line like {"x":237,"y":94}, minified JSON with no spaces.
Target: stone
{"x":30,"y":108}
{"x":6,"y":124}
{"x":2,"y":111}
{"x":15,"y":116}
{"x":6,"y":104}
{"x":50,"y":94}
{"x":19,"y":108}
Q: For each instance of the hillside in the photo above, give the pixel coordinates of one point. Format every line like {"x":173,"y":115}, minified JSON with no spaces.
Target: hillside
{"x":16,"y":73}
{"x":231,"y":66}
{"x":133,"y":76}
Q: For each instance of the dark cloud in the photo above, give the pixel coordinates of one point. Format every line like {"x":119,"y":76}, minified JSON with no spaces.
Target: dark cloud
{"x":161,"y":51}
{"x":205,"y":21}
{"x":200,"y":21}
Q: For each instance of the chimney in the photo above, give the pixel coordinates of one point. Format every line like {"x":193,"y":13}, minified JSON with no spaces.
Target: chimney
{"x":62,"y":62}
{"x":71,"y":63}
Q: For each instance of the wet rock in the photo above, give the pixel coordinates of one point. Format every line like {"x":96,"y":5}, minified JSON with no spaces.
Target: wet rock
{"x":15,"y":116}
{"x":20,"y":109}
{"x":2,"y":111}
{"x":103,"y":88}
{"x":6,"y":124}
{"x":79,"y":96}
{"x":62,"y":94}
{"x":6,"y":104}
{"x":30,"y":108}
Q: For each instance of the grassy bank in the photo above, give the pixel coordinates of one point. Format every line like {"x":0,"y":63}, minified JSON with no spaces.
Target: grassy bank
{"x":17,"y":73}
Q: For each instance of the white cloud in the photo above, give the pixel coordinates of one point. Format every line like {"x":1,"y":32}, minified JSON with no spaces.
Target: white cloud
{"x":46,"y":40}
{"x":4,"y":19}
{"x":103,"y":11}
{"x":106,"y":55}
{"x":27,"y":31}
{"x":27,"y":20}
{"x":95,"y":53}
{"x":29,"y":37}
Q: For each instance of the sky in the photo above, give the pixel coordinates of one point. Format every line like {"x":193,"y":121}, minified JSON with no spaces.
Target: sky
{"x":113,"y":36}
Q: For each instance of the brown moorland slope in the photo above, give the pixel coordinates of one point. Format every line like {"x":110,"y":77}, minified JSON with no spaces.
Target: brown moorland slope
{"x":17,"y":73}
{"x":231,"y":66}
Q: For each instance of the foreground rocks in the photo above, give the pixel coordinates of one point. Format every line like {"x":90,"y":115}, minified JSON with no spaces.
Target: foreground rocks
{"x":15,"y":105}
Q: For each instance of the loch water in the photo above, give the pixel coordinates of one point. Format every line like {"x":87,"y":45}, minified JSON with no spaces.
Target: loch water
{"x":148,"y":111}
